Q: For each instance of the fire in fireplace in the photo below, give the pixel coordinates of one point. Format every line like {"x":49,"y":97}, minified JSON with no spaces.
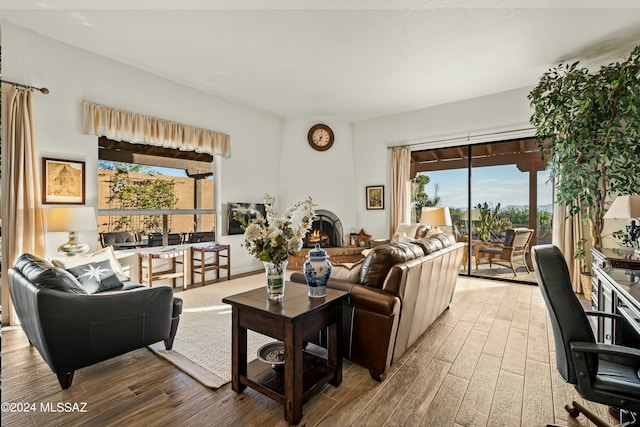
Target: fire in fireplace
{"x":326,"y":230}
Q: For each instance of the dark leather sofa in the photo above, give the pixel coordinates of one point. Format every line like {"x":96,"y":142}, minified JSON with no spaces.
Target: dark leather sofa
{"x":72,"y":329}
{"x":403,"y":287}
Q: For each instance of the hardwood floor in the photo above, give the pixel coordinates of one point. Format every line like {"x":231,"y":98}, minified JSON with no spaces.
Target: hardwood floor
{"x":487,"y":361}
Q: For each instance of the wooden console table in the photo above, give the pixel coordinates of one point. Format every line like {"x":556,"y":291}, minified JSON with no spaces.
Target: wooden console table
{"x":294,"y":320}
{"x":616,"y":289}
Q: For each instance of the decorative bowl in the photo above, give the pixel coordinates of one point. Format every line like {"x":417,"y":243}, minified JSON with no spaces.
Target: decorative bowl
{"x":272,"y":353}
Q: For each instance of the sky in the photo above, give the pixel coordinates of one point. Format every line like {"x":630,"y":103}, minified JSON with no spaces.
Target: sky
{"x":170,"y":171}
{"x":495,"y":184}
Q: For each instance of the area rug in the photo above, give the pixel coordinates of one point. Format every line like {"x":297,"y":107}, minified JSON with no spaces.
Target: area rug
{"x":202,"y":346}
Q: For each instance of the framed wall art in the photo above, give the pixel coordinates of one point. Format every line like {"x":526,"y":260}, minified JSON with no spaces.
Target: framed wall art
{"x":375,"y":197}
{"x":63,"y":182}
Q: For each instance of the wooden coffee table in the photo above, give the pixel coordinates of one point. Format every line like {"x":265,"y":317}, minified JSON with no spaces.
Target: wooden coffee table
{"x":295,"y":320}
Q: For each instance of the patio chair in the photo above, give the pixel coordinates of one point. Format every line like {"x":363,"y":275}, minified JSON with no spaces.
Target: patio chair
{"x":202,"y":236}
{"x":118,"y":239}
{"x":510,"y":253}
{"x":155,"y":239}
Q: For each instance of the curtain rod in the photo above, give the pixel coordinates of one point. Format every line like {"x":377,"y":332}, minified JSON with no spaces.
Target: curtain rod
{"x":44,"y":90}
{"x":460,"y":138}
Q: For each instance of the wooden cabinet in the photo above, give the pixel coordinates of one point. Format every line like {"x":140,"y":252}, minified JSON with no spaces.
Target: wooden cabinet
{"x":616,"y":289}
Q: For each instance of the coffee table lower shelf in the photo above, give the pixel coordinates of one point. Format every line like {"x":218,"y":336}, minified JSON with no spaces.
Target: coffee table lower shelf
{"x":270,"y":382}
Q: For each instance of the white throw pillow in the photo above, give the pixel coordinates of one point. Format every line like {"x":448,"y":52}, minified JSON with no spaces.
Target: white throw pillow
{"x":405,"y":229}
{"x":102,"y":255}
{"x":348,"y":271}
{"x":405,"y":239}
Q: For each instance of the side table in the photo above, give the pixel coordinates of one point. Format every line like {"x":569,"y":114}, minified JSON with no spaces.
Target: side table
{"x":200,"y":264}
{"x":295,"y":320}
{"x":171,"y":273}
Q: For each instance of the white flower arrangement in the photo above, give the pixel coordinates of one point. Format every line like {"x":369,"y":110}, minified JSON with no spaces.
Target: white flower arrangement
{"x":274,"y":238}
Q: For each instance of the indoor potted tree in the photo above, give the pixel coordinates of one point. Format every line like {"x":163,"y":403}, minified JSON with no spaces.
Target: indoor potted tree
{"x":585,"y":271}
{"x":589,"y":126}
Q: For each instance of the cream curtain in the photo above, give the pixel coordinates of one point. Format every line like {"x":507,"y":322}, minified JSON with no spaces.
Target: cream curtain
{"x":122,"y":125}
{"x":566,"y":234}
{"x":22,"y":219}
{"x":400,"y":187}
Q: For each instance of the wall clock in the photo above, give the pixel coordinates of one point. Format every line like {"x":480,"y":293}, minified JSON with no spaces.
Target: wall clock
{"x":320,"y":137}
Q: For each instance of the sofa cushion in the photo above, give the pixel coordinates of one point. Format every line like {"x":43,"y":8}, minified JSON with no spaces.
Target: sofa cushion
{"x":380,"y":260}
{"x":349,"y":271}
{"x":510,"y":234}
{"x":429,"y":245}
{"x":446,"y":239}
{"x":432,"y":232}
{"x":44,"y":274}
{"x":421,"y":232}
{"x":101,"y":255}
{"x":96,"y":276}
{"x":436,"y":242}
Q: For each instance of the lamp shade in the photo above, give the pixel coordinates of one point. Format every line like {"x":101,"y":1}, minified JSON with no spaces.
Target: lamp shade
{"x":624,"y":207}
{"x":435,"y":216}
{"x":71,"y":219}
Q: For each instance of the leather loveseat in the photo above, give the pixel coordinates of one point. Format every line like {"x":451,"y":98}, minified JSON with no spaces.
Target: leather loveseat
{"x":72,"y":329}
{"x":402,"y":288}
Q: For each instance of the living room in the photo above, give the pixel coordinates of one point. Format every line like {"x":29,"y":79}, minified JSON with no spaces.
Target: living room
{"x":269,"y":148}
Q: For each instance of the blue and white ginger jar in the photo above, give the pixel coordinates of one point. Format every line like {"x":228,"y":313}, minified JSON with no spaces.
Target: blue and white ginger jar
{"x":317,"y":269}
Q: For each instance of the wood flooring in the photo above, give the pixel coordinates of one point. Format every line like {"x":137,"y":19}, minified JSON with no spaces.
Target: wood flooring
{"x":487,"y":361}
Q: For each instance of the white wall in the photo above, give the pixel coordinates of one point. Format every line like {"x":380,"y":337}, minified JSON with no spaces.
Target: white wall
{"x":327,"y":176}
{"x":73,"y":75}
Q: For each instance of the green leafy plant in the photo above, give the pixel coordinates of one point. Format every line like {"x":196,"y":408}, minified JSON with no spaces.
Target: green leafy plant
{"x":491,"y":224}
{"x":588,"y":125}
{"x":419,"y":198}
{"x":581,"y":255}
{"x":136,"y":193}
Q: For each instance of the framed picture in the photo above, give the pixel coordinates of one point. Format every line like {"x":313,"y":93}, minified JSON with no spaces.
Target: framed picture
{"x":62,"y":181}
{"x":375,"y":197}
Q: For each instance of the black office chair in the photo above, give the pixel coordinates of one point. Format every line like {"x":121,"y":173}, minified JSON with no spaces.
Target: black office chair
{"x":602,"y":373}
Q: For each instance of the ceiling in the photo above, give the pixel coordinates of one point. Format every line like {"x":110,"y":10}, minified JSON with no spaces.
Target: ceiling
{"x":346,"y":63}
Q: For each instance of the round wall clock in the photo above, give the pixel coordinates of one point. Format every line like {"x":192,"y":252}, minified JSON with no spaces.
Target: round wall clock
{"x":320,"y":137}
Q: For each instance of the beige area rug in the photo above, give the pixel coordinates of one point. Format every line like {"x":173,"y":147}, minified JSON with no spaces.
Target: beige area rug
{"x":202,"y":346}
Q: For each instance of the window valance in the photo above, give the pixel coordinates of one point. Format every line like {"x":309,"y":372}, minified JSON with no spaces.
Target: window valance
{"x":126,"y":126}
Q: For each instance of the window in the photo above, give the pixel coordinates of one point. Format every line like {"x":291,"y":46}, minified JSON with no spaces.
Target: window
{"x":156,"y":195}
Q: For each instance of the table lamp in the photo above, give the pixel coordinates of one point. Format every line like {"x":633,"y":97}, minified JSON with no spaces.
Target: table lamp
{"x":627,"y":207}
{"x":435,"y":216}
{"x":72,"y":220}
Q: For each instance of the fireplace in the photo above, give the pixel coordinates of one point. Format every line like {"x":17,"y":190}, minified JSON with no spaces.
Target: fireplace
{"x":326,"y":230}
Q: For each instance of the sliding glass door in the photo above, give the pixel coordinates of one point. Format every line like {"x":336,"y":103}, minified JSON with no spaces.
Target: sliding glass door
{"x":498,"y":196}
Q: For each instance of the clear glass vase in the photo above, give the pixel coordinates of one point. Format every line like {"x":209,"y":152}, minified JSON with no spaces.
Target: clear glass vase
{"x":275,"y":279}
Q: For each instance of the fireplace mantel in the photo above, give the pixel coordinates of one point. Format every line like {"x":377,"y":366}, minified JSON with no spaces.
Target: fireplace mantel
{"x":336,"y":256}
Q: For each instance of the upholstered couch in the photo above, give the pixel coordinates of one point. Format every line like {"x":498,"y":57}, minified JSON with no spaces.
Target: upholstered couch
{"x":74,"y":324}
{"x":401,"y":289}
